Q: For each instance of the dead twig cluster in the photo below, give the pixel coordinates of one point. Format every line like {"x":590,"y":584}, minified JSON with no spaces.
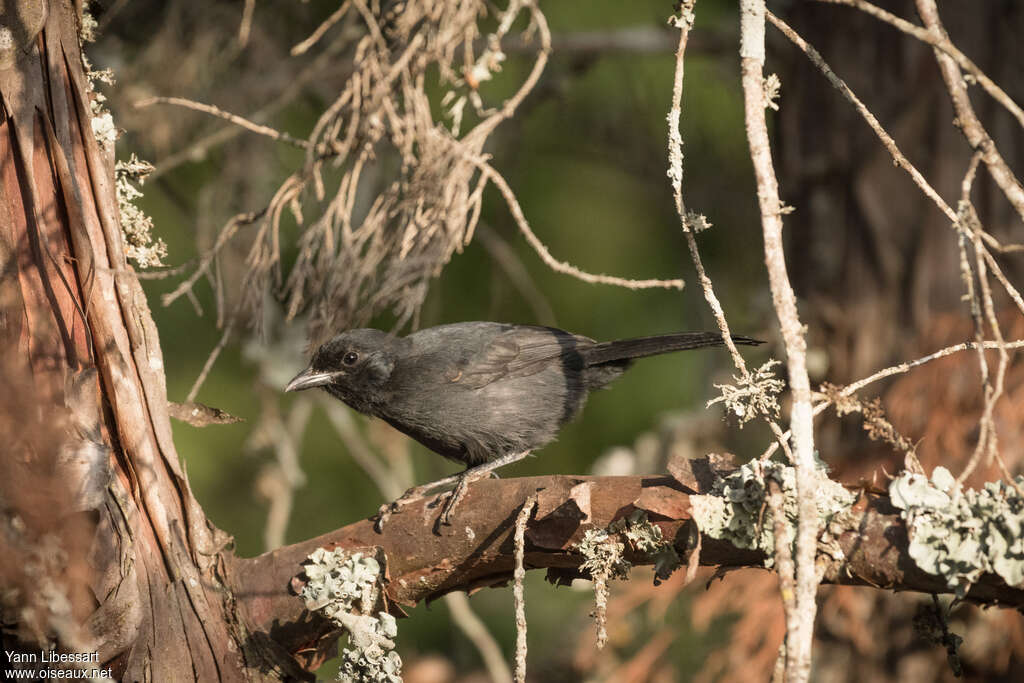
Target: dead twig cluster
{"x":980,"y":271}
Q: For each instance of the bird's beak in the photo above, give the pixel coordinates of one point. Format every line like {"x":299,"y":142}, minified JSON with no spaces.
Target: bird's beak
{"x":307,"y":379}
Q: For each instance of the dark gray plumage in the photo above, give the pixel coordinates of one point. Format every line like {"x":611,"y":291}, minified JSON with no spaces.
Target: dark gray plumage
{"x":479,"y":392}
{"x":474,"y":391}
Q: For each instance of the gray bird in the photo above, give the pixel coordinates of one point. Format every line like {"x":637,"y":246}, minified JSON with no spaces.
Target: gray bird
{"x":483,"y":394}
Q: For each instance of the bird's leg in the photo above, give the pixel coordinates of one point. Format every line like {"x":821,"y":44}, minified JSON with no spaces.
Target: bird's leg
{"x":461,"y":481}
{"x":472,"y":474}
{"x":410,"y":496}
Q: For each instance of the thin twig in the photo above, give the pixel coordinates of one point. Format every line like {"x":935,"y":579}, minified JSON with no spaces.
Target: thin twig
{"x":675,"y":155}
{"x":993,"y":392}
{"x":1010,"y":289}
{"x":966,"y":225}
{"x":783,"y":554}
{"x":201,"y":147}
{"x":939,"y":42}
{"x":898,"y":156}
{"x":966,"y":119}
{"x":323,"y":28}
{"x":517,"y":587}
{"x":227,"y":116}
{"x":845,"y":90}
{"x":206,"y":260}
{"x":211,"y":359}
{"x":245,"y":27}
{"x":899,"y":369}
{"x":800,"y":633}
{"x":474,"y":629}
{"x":907,"y":366}
{"x":675,"y":174}
{"x":545,"y":255}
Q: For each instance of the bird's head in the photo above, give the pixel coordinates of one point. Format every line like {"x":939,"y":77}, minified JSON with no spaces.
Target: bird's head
{"x":351,"y":366}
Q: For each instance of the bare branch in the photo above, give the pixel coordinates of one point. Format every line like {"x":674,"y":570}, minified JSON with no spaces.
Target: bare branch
{"x":886,"y":139}
{"x":551,"y":261}
{"x":227,"y":116}
{"x":245,"y":27}
{"x":966,"y":119}
{"x":939,"y":42}
{"x":800,"y":634}
{"x":323,"y":28}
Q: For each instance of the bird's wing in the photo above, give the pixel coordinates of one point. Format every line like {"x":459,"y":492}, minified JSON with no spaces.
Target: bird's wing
{"x":520,"y":352}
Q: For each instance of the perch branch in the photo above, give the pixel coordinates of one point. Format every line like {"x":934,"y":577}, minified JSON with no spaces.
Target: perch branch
{"x":477,"y":551}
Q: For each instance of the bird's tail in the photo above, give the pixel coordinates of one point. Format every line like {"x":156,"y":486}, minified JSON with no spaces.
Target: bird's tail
{"x":627,"y":349}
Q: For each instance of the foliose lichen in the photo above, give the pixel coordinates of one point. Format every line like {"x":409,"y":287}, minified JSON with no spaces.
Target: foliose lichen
{"x":962,"y":534}
{"x":346,"y":589}
{"x":736,"y":508}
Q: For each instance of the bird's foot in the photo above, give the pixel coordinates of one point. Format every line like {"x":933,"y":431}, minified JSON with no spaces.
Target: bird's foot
{"x":411,"y":496}
{"x":450,"y":500}
{"x":384,"y":514}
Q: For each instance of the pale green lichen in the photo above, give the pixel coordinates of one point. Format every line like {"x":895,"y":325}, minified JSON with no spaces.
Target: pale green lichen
{"x":736,"y":509}
{"x":346,"y":589}
{"x":103,"y":128}
{"x":647,"y":538}
{"x":772,"y":88}
{"x":697,"y":222}
{"x":136,"y":226}
{"x":603,"y":561}
{"x":686,"y":15}
{"x":960,"y":535}
{"x":753,"y":395}
{"x":89,"y":26}
{"x":603,"y":558}
{"x":603,"y":554}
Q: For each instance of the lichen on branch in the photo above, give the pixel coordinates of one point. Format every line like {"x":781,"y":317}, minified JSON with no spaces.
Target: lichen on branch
{"x":603,"y":551}
{"x":736,"y":509}
{"x":345,"y":588}
{"x":962,"y":534}
{"x":753,"y":395}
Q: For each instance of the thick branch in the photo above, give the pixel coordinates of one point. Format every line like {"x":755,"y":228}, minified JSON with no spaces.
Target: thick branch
{"x":477,"y":550}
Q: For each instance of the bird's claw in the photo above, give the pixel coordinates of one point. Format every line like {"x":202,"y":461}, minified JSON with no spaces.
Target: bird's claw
{"x":448,"y":501}
{"x":383,"y":515}
{"x":387,"y":509}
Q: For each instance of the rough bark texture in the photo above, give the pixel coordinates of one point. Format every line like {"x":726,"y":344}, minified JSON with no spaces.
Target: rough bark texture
{"x":150,"y":584}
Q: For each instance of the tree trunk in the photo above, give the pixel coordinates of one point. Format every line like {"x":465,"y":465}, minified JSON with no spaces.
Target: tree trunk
{"x":143,"y":571}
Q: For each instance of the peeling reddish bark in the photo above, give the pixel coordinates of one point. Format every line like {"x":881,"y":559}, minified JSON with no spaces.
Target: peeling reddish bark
{"x":476,"y":551}
{"x":135,"y":554}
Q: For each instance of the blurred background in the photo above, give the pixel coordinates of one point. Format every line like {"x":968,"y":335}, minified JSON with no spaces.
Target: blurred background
{"x":873,"y":262}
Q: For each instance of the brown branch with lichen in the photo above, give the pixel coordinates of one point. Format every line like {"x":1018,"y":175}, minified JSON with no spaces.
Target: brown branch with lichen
{"x":476,"y":551}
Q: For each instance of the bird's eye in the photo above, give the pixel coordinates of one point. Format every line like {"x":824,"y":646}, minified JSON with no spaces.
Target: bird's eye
{"x":350,"y":358}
